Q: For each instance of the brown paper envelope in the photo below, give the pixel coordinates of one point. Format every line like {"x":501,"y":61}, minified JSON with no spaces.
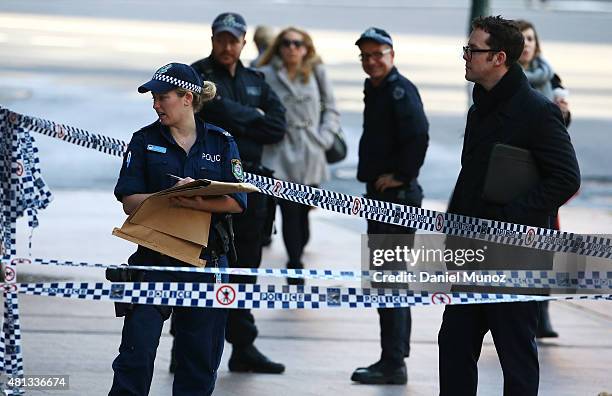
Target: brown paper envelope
{"x":199,"y":187}
{"x":188,"y":224}
{"x":177,"y":232}
{"x":162,"y":243}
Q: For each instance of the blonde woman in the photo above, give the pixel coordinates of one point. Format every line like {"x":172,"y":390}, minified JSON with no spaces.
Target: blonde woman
{"x":295,"y":72}
{"x":177,"y":144}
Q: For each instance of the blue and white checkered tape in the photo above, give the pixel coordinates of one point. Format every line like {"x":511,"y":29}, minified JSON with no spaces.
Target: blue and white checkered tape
{"x":533,"y":279}
{"x":253,"y":296}
{"x":419,"y":218}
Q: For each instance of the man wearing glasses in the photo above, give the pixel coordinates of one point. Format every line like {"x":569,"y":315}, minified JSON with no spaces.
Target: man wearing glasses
{"x":391,"y":151}
{"x":505,"y":110}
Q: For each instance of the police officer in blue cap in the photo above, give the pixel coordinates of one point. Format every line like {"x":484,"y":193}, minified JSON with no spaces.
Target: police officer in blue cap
{"x":391,"y":151}
{"x":246,"y":107}
{"x":178,"y":143}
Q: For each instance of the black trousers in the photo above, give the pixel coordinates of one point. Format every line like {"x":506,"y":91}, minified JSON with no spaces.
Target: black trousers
{"x":198,"y":343}
{"x":249,"y":231}
{"x":395,"y":323}
{"x":296,"y":231}
{"x":513,"y":327}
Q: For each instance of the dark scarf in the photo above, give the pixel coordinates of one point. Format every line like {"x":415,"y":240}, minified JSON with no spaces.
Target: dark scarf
{"x":509,"y":84}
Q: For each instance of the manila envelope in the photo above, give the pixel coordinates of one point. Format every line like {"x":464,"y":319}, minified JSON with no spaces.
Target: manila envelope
{"x":178,"y":232}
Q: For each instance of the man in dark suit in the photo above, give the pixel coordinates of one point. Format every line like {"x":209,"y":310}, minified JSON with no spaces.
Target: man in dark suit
{"x":505,"y":110}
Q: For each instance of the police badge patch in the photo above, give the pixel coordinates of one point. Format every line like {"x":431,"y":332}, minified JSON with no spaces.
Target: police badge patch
{"x":237,"y":170}
{"x":398,"y":93}
{"x":164,"y":69}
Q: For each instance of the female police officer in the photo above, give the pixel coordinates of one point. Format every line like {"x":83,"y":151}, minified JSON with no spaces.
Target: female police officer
{"x":179,"y":144}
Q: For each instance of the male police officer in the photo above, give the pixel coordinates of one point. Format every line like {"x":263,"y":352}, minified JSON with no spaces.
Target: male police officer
{"x":391,"y":151}
{"x":505,"y":110}
{"x":247,"y":108}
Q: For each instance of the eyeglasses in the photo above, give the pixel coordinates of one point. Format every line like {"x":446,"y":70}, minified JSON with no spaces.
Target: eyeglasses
{"x":468,"y":51}
{"x":288,"y":43}
{"x":364,"y":56}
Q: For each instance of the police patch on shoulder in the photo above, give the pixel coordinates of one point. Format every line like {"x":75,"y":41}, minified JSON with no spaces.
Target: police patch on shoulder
{"x":253,"y":90}
{"x":226,"y":133}
{"x":237,"y":169}
{"x":398,"y":93}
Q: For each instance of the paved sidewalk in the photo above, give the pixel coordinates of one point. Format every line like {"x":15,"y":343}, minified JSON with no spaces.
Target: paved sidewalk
{"x":320,"y":348}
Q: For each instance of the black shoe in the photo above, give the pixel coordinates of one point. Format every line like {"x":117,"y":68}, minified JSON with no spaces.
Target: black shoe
{"x":266,"y":241}
{"x":545,"y":329}
{"x":295,"y":281}
{"x":248,"y":358}
{"x":380,"y":373}
{"x":548,"y":333}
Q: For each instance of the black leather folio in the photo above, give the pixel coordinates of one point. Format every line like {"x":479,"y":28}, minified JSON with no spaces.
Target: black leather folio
{"x":512,"y":172}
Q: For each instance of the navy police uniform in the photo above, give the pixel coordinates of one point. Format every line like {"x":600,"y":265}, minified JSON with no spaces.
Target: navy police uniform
{"x":235,"y":109}
{"x":395,"y":138}
{"x":153,"y":154}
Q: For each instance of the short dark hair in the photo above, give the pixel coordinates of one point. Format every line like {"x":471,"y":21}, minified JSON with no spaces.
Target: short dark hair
{"x":505,"y":35}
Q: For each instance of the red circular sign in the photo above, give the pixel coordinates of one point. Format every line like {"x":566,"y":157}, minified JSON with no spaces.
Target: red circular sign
{"x":19,"y":170}
{"x":440,"y":298}
{"x":9,"y":274}
{"x":9,"y":287}
{"x":60,"y":131}
{"x":356,"y":206}
{"x":277,"y":187}
{"x":12,"y":118}
{"x":226,"y":295}
{"x":439,"y":222}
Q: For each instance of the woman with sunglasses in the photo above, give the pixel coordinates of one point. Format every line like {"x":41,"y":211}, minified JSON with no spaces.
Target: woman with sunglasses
{"x":296,"y":73}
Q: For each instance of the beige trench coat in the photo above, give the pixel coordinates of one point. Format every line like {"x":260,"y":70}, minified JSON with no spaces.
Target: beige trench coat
{"x":311,"y":116}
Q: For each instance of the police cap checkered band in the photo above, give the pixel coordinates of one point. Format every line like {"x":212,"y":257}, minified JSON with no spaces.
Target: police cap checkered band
{"x":229,"y":22}
{"x":171,"y":76}
{"x":375,"y":34}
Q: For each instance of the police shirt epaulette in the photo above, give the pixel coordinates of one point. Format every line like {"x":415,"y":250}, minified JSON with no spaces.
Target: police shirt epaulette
{"x":203,"y":67}
{"x":215,"y":128}
{"x":257,"y":72}
{"x":154,"y":126}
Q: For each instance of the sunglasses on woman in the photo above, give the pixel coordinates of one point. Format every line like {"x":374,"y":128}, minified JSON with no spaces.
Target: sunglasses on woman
{"x":288,"y":43}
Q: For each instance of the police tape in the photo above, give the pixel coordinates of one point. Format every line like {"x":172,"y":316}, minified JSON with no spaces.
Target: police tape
{"x":543,"y":279}
{"x":271,"y":272}
{"x":387,"y":212}
{"x":254,"y":296}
